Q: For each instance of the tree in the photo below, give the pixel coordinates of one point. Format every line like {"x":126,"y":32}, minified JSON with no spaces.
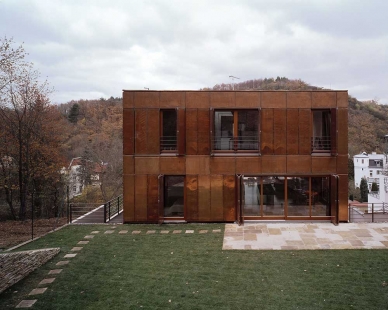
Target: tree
{"x":29,"y":147}
{"x":364,"y":190}
{"x":74,"y":113}
{"x":374,"y":188}
{"x":350,"y":169}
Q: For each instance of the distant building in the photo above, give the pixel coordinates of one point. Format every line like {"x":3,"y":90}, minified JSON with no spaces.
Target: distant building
{"x":368,"y":166}
{"x":77,"y":175}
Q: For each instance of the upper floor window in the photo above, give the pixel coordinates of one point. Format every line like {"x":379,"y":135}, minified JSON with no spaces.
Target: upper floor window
{"x":324,"y":131}
{"x":168,"y":137}
{"x":236,"y":130}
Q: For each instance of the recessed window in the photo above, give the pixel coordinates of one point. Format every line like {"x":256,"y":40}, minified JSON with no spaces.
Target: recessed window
{"x":321,"y":140}
{"x":236,"y":130}
{"x":168,"y":138}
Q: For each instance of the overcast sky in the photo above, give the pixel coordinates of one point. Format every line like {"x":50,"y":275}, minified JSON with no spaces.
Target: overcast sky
{"x":93,"y":49}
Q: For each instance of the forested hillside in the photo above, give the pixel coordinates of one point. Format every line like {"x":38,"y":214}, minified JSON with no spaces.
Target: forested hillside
{"x":367,"y":120}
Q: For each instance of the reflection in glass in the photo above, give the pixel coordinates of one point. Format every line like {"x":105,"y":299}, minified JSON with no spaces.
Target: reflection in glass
{"x":320,"y":197}
{"x":298,"y":194}
{"x":174,"y":196}
{"x":273,"y":196}
{"x":247,"y":130}
{"x":223,"y":126}
{"x":251,"y":196}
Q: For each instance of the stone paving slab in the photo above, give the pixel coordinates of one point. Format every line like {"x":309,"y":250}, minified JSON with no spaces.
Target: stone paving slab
{"x":95,"y":232}
{"x":123,"y":232}
{"x":83,"y":242}
{"x":26,"y":303}
{"x":109,"y":232}
{"x":164,"y":231}
{"x":149,"y":232}
{"x":177,"y":231}
{"x":89,"y":237}
{"x":70,"y":255}
{"x":77,"y":248}
{"x":38,"y":291}
{"x":189,"y":231}
{"x":47,"y":281}
{"x":136,"y":232}
{"x":62,"y":263}
{"x":55,"y":271}
{"x":203,"y":231}
{"x":305,"y":236}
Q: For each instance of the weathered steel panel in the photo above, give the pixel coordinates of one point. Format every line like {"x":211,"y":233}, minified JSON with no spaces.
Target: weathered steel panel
{"x":292,"y":131}
{"x":273,"y":99}
{"x":197,"y":100}
{"x":323,"y":99}
{"x":305,"y":132}
{"x":222,"y":165}
{"x":191,"y":198}
{"x":203,"y":132}
{"x":141,"y":198}
{"x":129,"y":198}
{"x":229,"y":194}
{"x":141,"y":131}
{"x":204,"y":206}
{"x":343,"y":198}
{"x":216,"y":197}
{"x":128,"y":99}
{"x":323,"y":164}
{"x":153,"y":131}
{"x":280,"y":131}
{"x":152,"y":199}
{"x":248,"y":100}
{"x":191,"y":132}
{"x":147,"y":165}
{"x":299,"y":164}
{"x":221,"y":99}
{"x":146,"y":99}
{"x":267,"y":132}
{"x":198,"y":164}
{"x":298,"y":100}
{"x":128,"y":131}
{"x":172,"y":99}
{"x":342,"y":125}
{"x":248,"y":165}
{"x":273,"y":164}
{"x":173,"y":165}
{"x":128,"y":165}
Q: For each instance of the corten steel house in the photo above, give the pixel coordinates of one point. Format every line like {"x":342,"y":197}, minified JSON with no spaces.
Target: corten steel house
{"x":227,"y":156}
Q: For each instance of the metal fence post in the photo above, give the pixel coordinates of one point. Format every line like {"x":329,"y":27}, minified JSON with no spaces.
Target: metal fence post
{"x":118,"y":205}
{"x":70,"y":207}
{"x":104,"y":212}
{"x":373,"y":213}
{"x":109,"y":209}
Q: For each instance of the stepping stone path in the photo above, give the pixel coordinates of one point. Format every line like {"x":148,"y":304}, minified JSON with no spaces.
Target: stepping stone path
{"x":38,"y":291}
{"x":26,"y":303}
{"x":47,"y":281}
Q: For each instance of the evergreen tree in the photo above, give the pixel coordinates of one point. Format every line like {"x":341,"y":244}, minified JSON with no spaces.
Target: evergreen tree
{"x":375,"y":188}
{"x":364,"y":190}
{"x":74,"y":113}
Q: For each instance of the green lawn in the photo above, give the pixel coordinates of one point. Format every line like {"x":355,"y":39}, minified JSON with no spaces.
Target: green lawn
{"x":190,"y":271}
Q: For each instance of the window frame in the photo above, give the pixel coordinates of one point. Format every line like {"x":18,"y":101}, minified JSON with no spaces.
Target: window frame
{"x":332,"y":149}
{"x":180,"y":129}
{"x":235,"y":150}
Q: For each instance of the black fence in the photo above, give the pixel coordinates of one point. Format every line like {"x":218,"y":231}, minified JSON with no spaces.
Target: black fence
{"x":113,"y":208}
{"x":368,"y":212}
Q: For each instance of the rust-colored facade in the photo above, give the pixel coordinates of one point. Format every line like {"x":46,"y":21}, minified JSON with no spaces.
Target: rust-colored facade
{"x":226,"y":156}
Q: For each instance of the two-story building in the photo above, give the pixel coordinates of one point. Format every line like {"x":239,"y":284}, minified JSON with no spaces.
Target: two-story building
{"x":227,"y":156}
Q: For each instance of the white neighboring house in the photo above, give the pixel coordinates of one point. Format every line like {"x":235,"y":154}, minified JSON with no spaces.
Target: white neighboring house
{"x":76,"y":181}
{"x":368,"y":166}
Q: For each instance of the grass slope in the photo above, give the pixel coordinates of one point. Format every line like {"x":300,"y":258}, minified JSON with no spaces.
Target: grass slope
{"x":188,"y":271}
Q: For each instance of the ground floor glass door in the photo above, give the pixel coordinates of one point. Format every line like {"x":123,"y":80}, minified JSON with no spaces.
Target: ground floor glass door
{"x":285,"y":197}
{"x":174,"y":188}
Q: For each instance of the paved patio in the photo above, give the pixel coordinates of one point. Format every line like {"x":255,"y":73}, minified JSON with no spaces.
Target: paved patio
{"x":305,"y":236}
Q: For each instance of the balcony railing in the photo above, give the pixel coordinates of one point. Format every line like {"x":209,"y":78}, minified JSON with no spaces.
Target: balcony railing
{"x":248,"y":143}
{"x":168,"y":143}
{"x":322,"y":143}
{"x":373,"y":180}
{"x":375,"y":194}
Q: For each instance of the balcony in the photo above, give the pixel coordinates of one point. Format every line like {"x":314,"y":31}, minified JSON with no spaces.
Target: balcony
{"x":375,"y":195}
{"x":373,"y":180}
{"x":247,"y":143}
{"x":168,"y":143}
{"x":321,"y":143}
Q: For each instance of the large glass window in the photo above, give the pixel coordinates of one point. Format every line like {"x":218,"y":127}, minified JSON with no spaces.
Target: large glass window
{"x":298,"y":192}
{"x":168,"y":138}
{"x":236,"y":130}
{"x":321,"y":140}
{"x":287,"y":197}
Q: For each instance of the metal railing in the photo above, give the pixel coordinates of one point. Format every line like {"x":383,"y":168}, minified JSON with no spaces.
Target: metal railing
{"x":373,"y":180}
{"x":168,"y":143}
{"x":113,"y":208}
{"x":368,"y":212}
{"x":85,"y":212}
{"x":375,"y":194}
{"x":235,"y":143}
{"x":322,"y":143}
